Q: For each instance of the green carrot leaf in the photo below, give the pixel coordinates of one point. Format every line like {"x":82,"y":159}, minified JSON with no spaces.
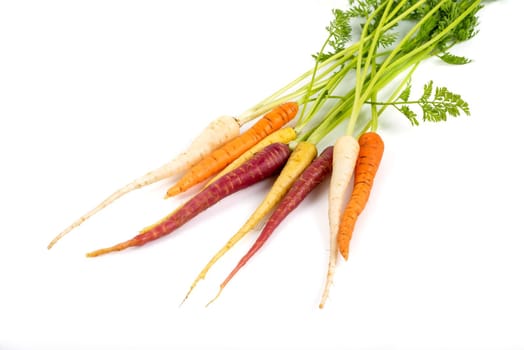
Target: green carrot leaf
{"x":428,"y":89}
{"x":362,"y":8}
{"x":339,"y":30}
{"x":404,"y":95}
{"x":412,"y":116}
{"x":454,"y":59}
{"x":444,"y":104}
{"x":388,"y":39}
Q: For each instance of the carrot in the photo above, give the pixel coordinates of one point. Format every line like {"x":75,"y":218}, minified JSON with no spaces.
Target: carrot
{"x":224,"y":155}
{"x":370,"y":155}
{"x":284,"y":135}
{"x":301,"y":157}
{"x":314,"y":174}
{"x":262,"y":165}
{"x":214,"y":135}
{"x":345,"y":153}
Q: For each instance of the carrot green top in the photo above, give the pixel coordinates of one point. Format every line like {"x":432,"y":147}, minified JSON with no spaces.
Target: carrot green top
{"x":349,"y":74}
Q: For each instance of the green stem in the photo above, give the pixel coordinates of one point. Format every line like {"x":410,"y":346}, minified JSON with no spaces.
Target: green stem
{"x":333,"y":83}
{"x":427,"y":45}
{"x":264,"y":108}
{"x":359,"y":80}
{"x":313,"y":76}
{"x":374,"y":112}
{"x":334,"y":60}
{"x":393,"y":96}
{"x":394,"y":103}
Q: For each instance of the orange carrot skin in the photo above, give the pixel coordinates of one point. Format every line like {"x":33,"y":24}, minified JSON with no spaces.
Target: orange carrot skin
{"x":312,"y":176}
{"x":262,"y":165}
{"x":368,"y":161}
{"x":224,"y":155}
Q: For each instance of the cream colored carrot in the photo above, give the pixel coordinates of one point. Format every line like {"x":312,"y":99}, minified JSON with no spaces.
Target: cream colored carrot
{"x":345,"y":155}
{"x":218,"y":132}
{"x":301,"y":157}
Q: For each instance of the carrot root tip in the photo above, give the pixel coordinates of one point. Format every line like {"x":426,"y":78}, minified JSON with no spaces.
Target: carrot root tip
{"x":115,"y":248}
{"x":172,"y":193}
{"x":215,"y":298}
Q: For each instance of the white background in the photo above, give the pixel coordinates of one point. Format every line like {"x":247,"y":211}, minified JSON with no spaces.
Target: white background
{"x":95,"y":93}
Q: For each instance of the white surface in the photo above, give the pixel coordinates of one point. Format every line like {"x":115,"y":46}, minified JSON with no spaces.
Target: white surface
{"x":95,"y":93}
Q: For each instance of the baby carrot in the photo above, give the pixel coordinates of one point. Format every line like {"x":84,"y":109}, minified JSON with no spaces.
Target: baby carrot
{"x":262,"y":165}
{"x":301,"y":157}
{"x":345,"y":153}
{"x":284,"y":135}
{"x":370,"y":155}
{"x":314,"y":174}
{"x":214,"y":135}
{"x":224,"y":155}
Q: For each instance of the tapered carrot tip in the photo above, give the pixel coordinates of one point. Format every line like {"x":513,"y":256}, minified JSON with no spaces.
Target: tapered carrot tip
{"x":187,"y":296}
{"x":216,"y":297}
{"x":173,"y":191}
{"x":115,"y":248}
{"x":345,"y":253}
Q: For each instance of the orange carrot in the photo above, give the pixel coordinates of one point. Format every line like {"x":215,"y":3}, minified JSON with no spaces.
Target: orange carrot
{"x":224,"y":155}
{"x":370,"y":155}
{"x":284,"y":135}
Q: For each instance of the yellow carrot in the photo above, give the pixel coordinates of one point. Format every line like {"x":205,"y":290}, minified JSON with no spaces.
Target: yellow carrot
{"x":345,"y":154}
{"x":284,"y":135}
{"x":301,"y":157}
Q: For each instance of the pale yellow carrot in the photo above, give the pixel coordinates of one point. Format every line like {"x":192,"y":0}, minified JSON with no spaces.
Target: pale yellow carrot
{"x":345,"y":155}
{"x":301,"y":157}
{"x":217,"y":133}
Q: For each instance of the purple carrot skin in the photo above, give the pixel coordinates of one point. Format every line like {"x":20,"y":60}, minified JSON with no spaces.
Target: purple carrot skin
{"x":262,"y":165}
{"x":314,"y":174}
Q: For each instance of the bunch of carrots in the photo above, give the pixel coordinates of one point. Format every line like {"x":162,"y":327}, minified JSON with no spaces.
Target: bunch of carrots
{"x":292,"y":123}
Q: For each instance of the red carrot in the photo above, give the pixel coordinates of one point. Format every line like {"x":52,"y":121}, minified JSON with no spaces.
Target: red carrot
{"x":312,"y":176}
{"x":262,"y":165}
{"x":369,"y":157}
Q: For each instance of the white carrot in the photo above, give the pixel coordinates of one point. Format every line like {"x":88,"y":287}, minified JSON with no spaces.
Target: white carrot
{"x":345,"y":153}
{"x":218,"y":132}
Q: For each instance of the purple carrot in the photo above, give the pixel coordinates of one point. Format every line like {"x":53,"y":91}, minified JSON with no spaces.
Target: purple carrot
{"x":312,"y":176}
{"x":261,"y":166}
